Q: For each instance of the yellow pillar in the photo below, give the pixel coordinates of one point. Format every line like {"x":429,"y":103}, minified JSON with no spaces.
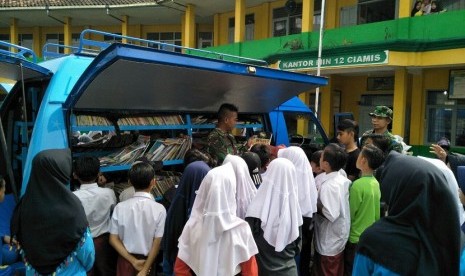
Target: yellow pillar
{"x":417,"y":108}
{"x":302,"y":123}
{"x":37,"y":42}
{"x":239,"y":21}
{"x":308,"y":8}
{"x":67,"y":33}
{"x":216,"y":29}
{"x":405,"y":7}
{"x":400,"y":101}
{"x":331,"y":20}
{"x":326,"y":107}
{"x":14,"y":32}
{"x":262,"y":24}
{"x":125,"y":28}
{"x":189,"y":26}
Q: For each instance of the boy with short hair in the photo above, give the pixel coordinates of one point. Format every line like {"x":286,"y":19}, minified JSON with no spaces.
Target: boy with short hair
{"x":137,"y":225}
{"x":332,"y":222}
{"x":318,"y":173}
{"x":98,"y":204}
{"x":347,"y":134}
{"x":364,"y":200}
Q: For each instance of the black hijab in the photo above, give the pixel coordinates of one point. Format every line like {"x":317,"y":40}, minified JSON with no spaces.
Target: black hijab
{"x":49,"y":220}
{"x":180,"y":208}
{"x":420,"y":234}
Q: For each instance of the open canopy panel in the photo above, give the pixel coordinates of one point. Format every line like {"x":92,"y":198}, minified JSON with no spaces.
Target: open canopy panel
{"x":134,"y":78}
{"x":13,"y":69}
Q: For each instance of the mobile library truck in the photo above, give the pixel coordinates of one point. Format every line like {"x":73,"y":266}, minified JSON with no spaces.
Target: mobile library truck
{"x":121,"y":101}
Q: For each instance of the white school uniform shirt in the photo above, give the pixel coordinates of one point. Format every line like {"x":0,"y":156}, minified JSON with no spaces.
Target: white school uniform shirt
{"x":137,"y":221}
{"x":332,"y":230}
{"x":98,"y":204}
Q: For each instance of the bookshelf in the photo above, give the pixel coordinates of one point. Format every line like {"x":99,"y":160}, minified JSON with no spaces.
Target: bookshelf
{"x":160,"y":137}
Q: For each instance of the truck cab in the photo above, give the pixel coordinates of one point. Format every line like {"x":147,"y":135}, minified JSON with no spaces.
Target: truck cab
{"x":137,"y":91}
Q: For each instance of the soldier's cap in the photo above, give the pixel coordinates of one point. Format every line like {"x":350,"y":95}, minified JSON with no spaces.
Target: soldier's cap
{"x":382,"y":111}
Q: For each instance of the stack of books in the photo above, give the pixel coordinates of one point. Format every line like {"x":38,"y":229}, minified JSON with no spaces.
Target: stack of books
{"x":169,"y":149}
{"x":128,"y":154}
{"x":165,"y":182}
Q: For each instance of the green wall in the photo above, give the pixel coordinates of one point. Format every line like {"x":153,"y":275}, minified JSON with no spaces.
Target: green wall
{"x":424,"y":33}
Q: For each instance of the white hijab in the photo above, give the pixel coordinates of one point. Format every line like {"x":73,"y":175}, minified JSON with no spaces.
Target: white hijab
{"x":307,"y":192}
{"x":246,"y":190}
{"x":215,"y":241}
{"x":276,"y":204}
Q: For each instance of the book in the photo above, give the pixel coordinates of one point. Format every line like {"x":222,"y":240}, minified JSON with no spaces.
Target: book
{"x":262,"y":138}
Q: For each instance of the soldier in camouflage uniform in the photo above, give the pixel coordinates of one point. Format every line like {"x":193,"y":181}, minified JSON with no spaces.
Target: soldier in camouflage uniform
{"x":381,"y":117}
{"x":220,"y":141}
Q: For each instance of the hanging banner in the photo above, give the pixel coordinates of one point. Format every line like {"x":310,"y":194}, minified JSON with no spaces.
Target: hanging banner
{"x":380,"y":57}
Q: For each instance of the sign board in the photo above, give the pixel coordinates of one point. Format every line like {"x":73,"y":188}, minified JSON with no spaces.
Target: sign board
{"x":380,"y":57}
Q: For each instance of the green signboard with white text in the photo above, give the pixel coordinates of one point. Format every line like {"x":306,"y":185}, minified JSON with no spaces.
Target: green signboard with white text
{"x":335,"y":61}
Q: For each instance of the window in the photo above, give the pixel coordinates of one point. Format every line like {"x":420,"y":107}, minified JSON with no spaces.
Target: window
{"x":204,"y":40}
{"x":112,"y":39}
{"x":445,"y":118}
{"x":55,"y":39}
{"x":4,"y":38}
{"x":287,"y":22}
{"x":249,"y":28}
{"x":25,"y":40}
{"x":370,"y":11}
{"x":452,"y":5}
{"x":174,"y":38}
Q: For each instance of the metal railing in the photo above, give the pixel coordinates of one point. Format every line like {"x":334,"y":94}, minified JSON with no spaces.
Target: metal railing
{"x":17,"y":51}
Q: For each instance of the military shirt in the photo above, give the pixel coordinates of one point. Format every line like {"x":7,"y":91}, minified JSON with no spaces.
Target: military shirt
{"x":393,"y":145}
{"x":220,"y":144}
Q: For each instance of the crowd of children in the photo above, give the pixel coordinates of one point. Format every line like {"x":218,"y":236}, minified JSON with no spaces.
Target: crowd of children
{"x":319,"y":214}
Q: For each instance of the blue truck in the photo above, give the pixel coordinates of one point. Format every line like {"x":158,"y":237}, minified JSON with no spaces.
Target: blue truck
{"x":125,"y":85}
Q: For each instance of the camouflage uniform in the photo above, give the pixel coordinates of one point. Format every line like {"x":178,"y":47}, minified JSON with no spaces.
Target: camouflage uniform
{"x":385,"y":112}
{"x":393,"y":145}
{"x":220,"y":144}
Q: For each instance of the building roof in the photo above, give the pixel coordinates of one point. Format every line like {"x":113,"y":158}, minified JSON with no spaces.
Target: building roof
{"x":69,"y":3}
{"x":49,"y":13}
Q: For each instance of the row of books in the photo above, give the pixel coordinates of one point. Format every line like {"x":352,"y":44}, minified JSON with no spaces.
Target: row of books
{"x":89,"y":120}
{"x":158,"y":150}
{"x":152,"y":120}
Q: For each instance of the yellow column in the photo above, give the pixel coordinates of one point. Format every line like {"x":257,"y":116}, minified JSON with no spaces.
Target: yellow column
{"x":331,"y":20}
{"x":405,"y":6}
{"x":302,"y":123}
{"x":308,"y":8}
{"x":239,"y":21}
{"x":37,"y":40}
{"x":417,"y":108}
{"x":125,"y":28}
{"x":14,"y":32}
{"x":400,"y":100}
{"x":67,"y":34}
{"x":189,"y":27}
{"x":216,"y":29}
{"x":264,"y":21}
{"x":326,"y":107}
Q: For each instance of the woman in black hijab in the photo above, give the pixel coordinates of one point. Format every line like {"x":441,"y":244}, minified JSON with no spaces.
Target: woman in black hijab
{"x":421,"y":233}
{"x":49,"y":222}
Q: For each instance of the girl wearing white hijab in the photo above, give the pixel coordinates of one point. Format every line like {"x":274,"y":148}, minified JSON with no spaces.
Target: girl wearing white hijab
{"x":275,"y":218}
{"x":305,"y":180}
{"x":308,"y":196}
{"x":215,"y":241}
{"x":245,"y":188}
